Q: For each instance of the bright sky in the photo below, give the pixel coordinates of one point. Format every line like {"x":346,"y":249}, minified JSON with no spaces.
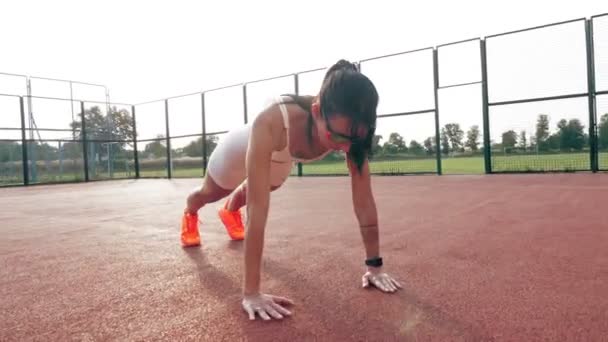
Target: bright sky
{"x":150,"y":50}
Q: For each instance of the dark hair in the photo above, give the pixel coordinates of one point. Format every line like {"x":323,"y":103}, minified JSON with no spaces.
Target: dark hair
{"x":346,"y":91}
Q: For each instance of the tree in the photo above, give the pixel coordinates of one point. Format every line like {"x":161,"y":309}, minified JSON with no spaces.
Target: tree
{"x":72,"y":150}
{"x":157,"y":149}
{"x":603,"y":131}
{"x":195,"y":148}
{"x":396,"y":140}
{"x":395,"y":144}
{"x":389,"y":149}
{"x":429,"y":145}
{"x":117,"y":125}
{"x":533,"y":144}
{"x":445,"y":142}
{"x":455,"y":135}
{"x":509,"y":139}
{"x":10,"y":151}
{"x":523,"y":140}
{"x":472,"y":138}
{"x":376,"y":148}
{"x":542,"y":132}
{"x":416,"y":148}
{"x":552,"y":143}
{"x":571,"y":135}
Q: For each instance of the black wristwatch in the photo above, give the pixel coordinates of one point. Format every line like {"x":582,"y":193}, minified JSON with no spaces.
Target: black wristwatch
{"x":374,"y":262}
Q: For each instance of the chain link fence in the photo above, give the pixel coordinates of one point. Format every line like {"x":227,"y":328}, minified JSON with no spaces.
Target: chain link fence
{"x":533,"y":100}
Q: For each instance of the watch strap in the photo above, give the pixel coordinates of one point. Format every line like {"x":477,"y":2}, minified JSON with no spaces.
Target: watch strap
{"x":374,"y":262}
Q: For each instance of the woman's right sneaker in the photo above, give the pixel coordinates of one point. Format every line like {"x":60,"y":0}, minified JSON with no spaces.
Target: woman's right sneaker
{"x":233,"y":222}
{"x":190,"y":236}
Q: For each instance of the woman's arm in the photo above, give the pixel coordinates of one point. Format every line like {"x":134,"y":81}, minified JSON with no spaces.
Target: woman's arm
{"x":367,"y":214}
{"x":258,"y":198}
{"x":365,"y":208}
{"x":262,"y":143}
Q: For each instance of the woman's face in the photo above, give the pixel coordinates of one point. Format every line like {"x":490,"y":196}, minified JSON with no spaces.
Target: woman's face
{"x":335,"y":132}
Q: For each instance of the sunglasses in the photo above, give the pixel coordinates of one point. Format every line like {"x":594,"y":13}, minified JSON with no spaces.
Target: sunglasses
{"x":340,"y":138}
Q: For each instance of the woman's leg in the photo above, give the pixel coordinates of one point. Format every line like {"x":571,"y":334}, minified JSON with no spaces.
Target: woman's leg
{"x":210,"y":192}
{"x":239,"y":197}
{"x":278,"y":175}
{"x":225,"y":171}
{"x":230,"y":213}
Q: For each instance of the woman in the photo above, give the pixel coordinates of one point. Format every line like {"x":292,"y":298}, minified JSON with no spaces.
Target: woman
{"x":256,"y":159}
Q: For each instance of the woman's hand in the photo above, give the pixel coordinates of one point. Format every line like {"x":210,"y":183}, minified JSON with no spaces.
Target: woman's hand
{"x":380,"y":280}
{"x":266,"y":305}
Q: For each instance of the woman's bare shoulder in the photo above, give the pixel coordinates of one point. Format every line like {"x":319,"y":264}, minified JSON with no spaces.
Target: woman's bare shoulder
{"x":270,"y":122}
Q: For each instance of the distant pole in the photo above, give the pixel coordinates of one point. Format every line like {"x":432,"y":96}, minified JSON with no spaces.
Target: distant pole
{"x":85,"y":152}
{"x":24,"y":144}
{"x":168,"y":139}
{"x":593,"y":136}
{"x":135,"y":152}
{"x":486,"y":109}
{"x":436,"y":92}
{"x":204,"y":127}
{"x":296,"y":82}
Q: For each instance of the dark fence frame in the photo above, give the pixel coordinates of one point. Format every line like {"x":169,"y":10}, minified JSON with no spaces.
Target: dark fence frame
{"x":592,"y":86}
{"x":591,"y":94}
{"x":29,"y":166}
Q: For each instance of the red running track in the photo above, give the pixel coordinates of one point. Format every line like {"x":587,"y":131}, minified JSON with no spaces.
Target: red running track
{"x":481,"y":258}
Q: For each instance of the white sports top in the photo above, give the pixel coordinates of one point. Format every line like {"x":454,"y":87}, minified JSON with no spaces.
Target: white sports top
{"x":286,"y":125}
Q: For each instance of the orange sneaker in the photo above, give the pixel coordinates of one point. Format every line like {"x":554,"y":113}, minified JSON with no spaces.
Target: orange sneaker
{"x":190,"y":236}
{"x":233,"y":222}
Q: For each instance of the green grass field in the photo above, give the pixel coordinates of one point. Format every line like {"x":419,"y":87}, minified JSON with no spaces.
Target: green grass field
{"x":460,"y":165}
{"x":470,"y":165}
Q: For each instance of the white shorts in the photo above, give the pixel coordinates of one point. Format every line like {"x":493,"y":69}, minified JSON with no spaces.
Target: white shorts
{"x":227,"y":164}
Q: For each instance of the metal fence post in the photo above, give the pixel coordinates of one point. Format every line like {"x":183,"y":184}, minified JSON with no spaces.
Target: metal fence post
{"x":169,"y":173}
{"x":296,"y":86}
{"x":593,"y":136}
{"x":136,"y":153}
{"x":30,"y":106}
{"x":245,"y":102}
{"x":487,"y":145}
{"x":436,"y":91}
{"x":26,"y":176}
{"x":85,"y":152}
{"x":204,"y":134}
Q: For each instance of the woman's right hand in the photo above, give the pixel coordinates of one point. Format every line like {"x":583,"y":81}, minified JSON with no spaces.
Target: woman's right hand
{"x":266,"y":305}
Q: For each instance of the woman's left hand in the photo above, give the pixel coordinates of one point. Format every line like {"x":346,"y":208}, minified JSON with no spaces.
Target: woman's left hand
{"x":380,"y":280}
